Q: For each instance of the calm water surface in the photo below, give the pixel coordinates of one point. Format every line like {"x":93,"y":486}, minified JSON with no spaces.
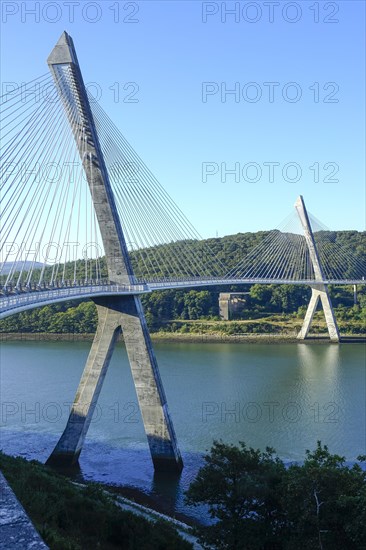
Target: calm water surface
{"x":286,"y":396}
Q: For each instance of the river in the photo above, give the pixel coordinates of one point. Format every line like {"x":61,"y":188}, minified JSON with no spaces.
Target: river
{"x":286,"y":396}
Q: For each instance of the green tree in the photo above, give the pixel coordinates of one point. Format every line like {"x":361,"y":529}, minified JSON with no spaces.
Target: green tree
{"x":261,"y":294}
{"x":257,"y":503}
{"x":240,"y":485}
{"x":322,"y":497}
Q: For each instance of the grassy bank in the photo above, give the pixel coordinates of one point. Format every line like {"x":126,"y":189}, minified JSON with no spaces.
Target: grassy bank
{"x":176,"y":337}
{"x":70,"y":517}
{"x":259,"y":328}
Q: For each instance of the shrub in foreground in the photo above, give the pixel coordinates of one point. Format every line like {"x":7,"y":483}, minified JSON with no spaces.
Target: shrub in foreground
{"x":257,"y":503}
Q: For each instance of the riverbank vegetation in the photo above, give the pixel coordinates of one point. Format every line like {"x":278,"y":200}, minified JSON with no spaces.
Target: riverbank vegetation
{"x":255,"y":500}
{"x":269,"y":309}
{"x":71,"y":517}
{"x":258,"y":503}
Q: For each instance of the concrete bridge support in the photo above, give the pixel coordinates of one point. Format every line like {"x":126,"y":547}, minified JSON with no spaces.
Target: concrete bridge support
{"x":317,"y":291}
{"x":115,"y":314}
{"x":320,"y":292}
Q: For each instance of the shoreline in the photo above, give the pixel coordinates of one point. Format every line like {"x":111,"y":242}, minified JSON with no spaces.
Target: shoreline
{"x":183,"y":338}
{"x":68,"y":488}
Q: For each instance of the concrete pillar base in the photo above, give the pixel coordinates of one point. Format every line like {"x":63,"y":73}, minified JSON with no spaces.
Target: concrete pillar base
{"x":320,"y":292}
{"x":163,"y":464}
{"x":63,"y":460}
{"x":115,"y":314}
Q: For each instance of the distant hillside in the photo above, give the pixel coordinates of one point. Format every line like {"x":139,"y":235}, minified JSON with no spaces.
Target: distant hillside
{"x":7,"y":266}
{"x":225,"y":252}
{"x":168,"y":310}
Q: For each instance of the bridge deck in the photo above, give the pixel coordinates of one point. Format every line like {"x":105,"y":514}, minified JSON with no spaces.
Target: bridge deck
{"x":16,"y":302}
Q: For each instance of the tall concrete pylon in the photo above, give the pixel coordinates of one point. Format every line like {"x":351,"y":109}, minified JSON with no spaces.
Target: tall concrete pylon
{"x":319,"y":290}
{"x":115,"y":314}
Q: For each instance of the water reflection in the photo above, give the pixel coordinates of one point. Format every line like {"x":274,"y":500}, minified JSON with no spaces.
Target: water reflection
{"x":320,"y":369}
{"x":283,"y":395}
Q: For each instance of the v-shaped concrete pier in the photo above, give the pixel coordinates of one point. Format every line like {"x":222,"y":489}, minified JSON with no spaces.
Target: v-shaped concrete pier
{"x":115,"y":314}
{"x":319,"y":291}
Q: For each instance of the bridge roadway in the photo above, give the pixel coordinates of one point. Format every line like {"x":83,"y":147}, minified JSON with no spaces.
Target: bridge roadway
{"x":16,"y":302}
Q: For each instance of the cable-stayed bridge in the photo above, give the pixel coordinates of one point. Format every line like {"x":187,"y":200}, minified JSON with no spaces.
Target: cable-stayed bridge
{"x":83,"y":217}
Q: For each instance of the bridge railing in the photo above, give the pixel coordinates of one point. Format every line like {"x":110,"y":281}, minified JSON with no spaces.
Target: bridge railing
{"x":169,"y":283}
{"x":13,"y":301}
{"x":26,"y":299}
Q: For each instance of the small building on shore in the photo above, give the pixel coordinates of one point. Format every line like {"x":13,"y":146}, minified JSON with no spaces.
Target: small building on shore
{"x":232,"y":304}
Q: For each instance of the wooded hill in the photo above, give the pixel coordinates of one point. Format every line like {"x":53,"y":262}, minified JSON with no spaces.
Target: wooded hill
{"x":171,"y":305}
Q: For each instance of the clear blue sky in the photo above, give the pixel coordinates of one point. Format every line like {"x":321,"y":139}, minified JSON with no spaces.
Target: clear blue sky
{"x":169,"y":52}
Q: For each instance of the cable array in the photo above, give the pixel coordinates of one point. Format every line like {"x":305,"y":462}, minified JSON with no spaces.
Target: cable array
{"x":49,"y":233}
{"x":162,"y":242}
{"x":338,"y":260}
{"x":284,"y":255}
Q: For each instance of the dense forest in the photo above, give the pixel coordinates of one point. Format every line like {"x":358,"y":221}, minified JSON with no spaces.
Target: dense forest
{"x":219,"y":255}
{"x":173,"y":310}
